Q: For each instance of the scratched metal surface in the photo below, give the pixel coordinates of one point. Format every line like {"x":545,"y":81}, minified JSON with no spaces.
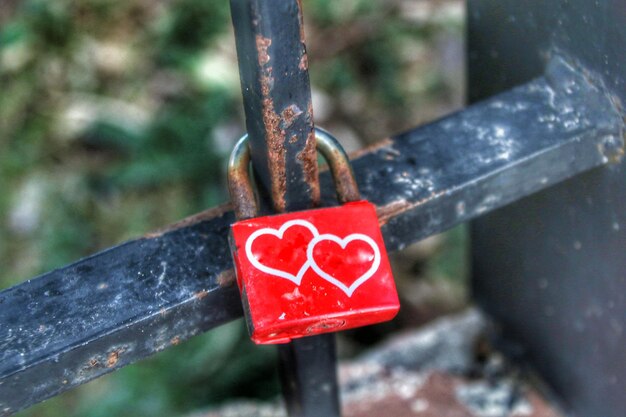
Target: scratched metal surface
{"x":76,"y":323}
{"x":273,"y":68}
{"x":552,"y":268}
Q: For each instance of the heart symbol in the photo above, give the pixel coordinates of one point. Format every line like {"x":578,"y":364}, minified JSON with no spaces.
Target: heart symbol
{"x":345,"y":262}
{"x":293,"y":251}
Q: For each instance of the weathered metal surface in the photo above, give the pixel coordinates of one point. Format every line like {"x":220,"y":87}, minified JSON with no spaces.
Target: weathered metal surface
{"x":552,"y":268}
{"x":136,"y":298}
{"x":273,"y":66}
{"x":339,"y":166}
{"x":103,"y":312}
{"x":308,"y":391}
{"x":240,"y":186}
{"x":242,"y":190}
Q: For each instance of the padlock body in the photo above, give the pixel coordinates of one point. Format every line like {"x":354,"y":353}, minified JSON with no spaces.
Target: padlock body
{"x":312,"y":272}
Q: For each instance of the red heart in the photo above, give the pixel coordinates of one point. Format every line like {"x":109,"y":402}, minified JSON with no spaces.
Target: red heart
{"x":346,"y":263}
{"x":282,"y":252}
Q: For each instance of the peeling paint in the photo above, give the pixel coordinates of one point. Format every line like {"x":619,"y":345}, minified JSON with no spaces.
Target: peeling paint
{"x":201,"y":294}
{"x":381,"y":144}
{"x":113,"y":358}
{"x":262,"y":45}
{"x":289,"y":115}
{"x":226,"y":278}
{"x":304,"y":62}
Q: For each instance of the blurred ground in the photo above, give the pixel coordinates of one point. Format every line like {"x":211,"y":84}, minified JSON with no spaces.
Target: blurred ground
{"x":444,"y":369}
{"x":116,"y":118}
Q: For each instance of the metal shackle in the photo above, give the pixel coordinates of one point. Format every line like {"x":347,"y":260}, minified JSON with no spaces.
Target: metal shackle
{"x":240,"y":186}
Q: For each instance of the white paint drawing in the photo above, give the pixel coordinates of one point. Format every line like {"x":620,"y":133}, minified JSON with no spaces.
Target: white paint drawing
{"x":349,"y":290}
{"x":296,"y":279}
{"x":310,"y":262}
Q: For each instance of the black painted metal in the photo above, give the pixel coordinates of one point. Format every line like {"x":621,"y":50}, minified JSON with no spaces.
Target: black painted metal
{"x":76,"y":323}
{"x":552,"y":268}
{"x":82,"y":321}
{"x":273,"y":66}
{"x":309,"y":391}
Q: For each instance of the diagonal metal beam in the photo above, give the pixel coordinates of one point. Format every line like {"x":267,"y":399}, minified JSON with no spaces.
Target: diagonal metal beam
{"x":76,"y":323}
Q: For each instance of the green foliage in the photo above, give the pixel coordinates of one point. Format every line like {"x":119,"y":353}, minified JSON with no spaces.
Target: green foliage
{"x":192,"y":25}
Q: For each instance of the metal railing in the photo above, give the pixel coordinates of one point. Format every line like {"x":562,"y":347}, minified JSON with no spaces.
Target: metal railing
{"x":76,"y":323}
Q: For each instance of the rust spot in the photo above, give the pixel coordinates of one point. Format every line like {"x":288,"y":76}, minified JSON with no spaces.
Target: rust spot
{"x":93,"y":362}
{"x":390,"y":210}
{"x":293,"y":139}
{"x":611,"y":150}
{"x":385,"y":143}
{"x":396,"y":208}
{"x":175,"y":340}
{"x":301,"y":21}
{"x":226,"y":278}
{"x":205,"y":215}
{"x":267,"y":83}
{"x":113,"y":357}
{"x":262,"y":45}
{"x":308,"y":159}
{"x":289,"y":115}
{"x":201,"y":294}
{"x":275,"y":138}
{"x":304,"y":62}
{"x":241,"y":195}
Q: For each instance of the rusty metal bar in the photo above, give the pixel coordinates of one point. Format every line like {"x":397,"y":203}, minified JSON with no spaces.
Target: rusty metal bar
{"x":273,"y":67}
{"x":76,"y":323}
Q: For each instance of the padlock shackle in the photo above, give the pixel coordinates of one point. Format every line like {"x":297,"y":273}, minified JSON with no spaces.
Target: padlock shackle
{"x":240,"y":186}
{"x":339,"y":165}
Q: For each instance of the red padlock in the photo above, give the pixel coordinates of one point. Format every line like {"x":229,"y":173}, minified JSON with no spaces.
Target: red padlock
{"x":313,"y":271}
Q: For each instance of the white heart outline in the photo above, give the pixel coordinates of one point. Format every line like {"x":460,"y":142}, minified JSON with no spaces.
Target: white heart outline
{"x":296,"y":279}
{"x":343,"y":243}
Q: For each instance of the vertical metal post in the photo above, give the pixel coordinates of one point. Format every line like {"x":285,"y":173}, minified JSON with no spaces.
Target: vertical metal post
{"x":277,"y":99}
{"x":552,"y":267}
{"x":273,"y":67}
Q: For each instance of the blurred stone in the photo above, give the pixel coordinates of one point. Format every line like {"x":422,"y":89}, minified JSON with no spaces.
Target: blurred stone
{"x":84,"y":110}
{"x":424,"y":249}
{"x":25,"y":214}
{"x":217,"y":70}
{"x":110,"y":57}
{"x":14,"y":56}
{"x":424,"y":300}
{"x":245,"y":409}
{"x":423,"y":373}
{"x":352,"y":101}
{"x":432,"y":12}
{"x":347,"y":137}
{"x":323,"y":106}
{"x":447,"y":345}
{"x":225,"y":136}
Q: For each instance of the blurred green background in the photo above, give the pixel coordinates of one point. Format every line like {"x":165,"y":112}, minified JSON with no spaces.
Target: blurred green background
{"x":116,"y":118}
